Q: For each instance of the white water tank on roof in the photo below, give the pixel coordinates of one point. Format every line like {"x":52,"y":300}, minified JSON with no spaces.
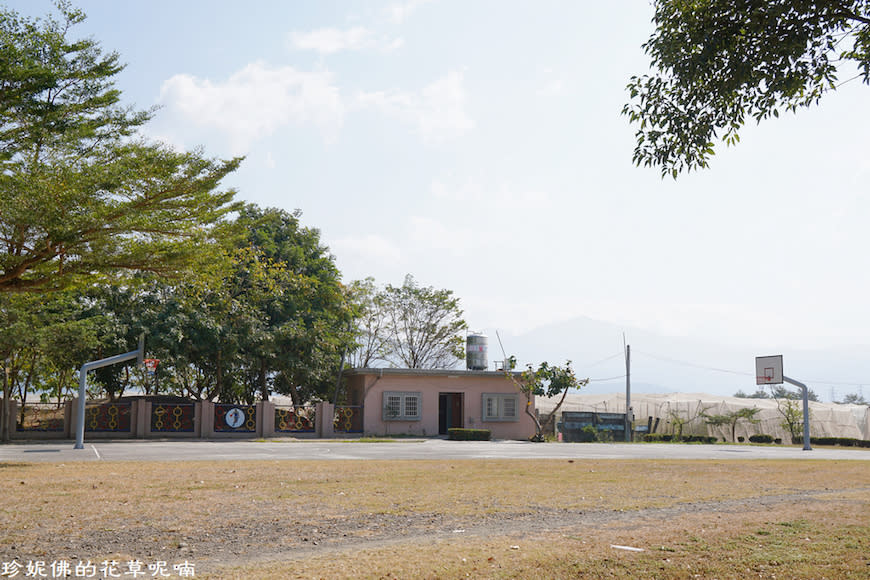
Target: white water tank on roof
{"x":475,"y":352}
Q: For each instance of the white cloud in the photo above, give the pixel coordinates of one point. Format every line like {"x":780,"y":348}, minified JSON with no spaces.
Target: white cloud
{"x":438,"y":110}
{"x":491,"y":197}
{"x":401,"y":11}
{"x":335,"y":40}
{"x":368,"y":248}
{"x":332,"y":40}
{"x":552,"y":88}
{"x":432,"y":234}
{"x":256,"y":101}
{"x":551,"y":85}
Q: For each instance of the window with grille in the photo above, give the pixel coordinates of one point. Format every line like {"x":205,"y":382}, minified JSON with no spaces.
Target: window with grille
{"x":500,"y":407}
{"x":400,"y":406}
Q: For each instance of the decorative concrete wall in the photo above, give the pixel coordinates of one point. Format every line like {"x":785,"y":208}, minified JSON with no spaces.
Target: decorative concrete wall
{"x":440,"y":399}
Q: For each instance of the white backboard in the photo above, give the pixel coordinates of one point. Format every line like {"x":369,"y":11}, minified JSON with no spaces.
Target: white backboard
{"x":768,"y":370}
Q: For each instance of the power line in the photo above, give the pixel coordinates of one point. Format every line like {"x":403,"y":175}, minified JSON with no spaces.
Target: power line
{"x":688,"y":364}
{"x":604,"y":360}
{"x":857,"y":384}
{"x":606,"y":379}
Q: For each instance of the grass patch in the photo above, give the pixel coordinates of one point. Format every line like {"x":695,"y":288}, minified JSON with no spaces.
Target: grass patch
{"x":409,"y":519}
{"x":808,"y":547}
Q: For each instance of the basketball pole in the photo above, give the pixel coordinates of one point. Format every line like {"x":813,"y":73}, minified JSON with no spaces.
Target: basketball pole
{"x":806,"y":398}
{"x":628,"y":411}
{"x":137,"y":354}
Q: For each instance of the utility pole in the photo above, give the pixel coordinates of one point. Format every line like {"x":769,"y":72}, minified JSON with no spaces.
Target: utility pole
{"x":628,"y":411}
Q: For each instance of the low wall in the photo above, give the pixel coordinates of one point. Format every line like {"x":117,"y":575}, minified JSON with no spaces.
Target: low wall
{"x":146,"y":419}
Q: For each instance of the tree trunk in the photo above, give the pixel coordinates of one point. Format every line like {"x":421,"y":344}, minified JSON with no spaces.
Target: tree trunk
{"x":547,"y":424}
{"x":261,"y":378}
{"x":539,"y":432}
{"x":294,"y":396}
{"x":4,"y":413}
{"x":219,"y":379}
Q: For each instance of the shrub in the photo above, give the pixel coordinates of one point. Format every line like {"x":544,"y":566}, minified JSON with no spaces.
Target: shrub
{"x":761,"y":438}
{"x":457,"y":434}
{"x":588,"y":434}
{"x":740,"y":439}
{"x":665,"y":438}
{"x":842,"y":441}
{"x":778,"y":440}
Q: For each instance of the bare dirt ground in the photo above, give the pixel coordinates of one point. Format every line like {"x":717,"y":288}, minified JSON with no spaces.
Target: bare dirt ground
{"x":230,"y":521}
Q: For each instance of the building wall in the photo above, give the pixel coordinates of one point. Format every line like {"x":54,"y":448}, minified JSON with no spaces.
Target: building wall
{"x":371,"y":388}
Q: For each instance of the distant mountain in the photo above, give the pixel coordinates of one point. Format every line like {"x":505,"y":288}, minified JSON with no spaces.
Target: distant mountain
{"x":662,"y":364}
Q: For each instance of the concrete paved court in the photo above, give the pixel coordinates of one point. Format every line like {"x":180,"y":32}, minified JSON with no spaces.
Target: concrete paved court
{"x":295,"y":449}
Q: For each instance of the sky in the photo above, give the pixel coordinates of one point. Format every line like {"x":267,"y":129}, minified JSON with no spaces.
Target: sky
{"x":479,"y":146}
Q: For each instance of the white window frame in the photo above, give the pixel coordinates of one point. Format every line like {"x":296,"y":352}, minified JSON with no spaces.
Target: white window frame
{"x":404,"y":397}
{"x":498,"y":403}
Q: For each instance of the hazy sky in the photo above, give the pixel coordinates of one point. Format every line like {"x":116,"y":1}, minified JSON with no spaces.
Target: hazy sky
{"x":479,"y":146}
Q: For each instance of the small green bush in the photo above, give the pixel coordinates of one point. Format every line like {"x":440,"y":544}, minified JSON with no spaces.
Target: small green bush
{"x":665,"y":438}
{"x":656,"y":438}
{"x":699,"y":439}
{"x":741,"y":439}
{"x":761,"y":438}
{"x":457,"y":434}
{"x":841,"y":441}
{"x":588,"y":434}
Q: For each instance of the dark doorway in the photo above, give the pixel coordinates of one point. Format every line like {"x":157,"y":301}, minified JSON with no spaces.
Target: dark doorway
{"x":450,"y":407}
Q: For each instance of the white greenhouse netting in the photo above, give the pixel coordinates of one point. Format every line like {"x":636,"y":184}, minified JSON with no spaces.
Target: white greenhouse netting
{"x":826,"y":419}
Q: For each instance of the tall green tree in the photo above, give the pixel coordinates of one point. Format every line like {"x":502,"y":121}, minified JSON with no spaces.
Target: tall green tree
{"x":82,"y":198}
{"x":719,"y":62}
{"x":307,"y":313}
{"x":423,"y":326}
{"x":370,"y":325}
{"x":270,"y":316}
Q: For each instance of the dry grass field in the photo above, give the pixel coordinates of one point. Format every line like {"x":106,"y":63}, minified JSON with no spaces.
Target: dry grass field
{"x":448,"y":519}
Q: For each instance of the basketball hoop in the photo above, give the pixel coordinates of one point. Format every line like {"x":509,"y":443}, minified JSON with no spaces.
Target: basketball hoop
{"x":768,"y":370}
{"x":151,"y":365}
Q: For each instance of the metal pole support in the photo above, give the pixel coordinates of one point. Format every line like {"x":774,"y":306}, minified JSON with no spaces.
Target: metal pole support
{"x":137,"y":354}
{"x":806,"y":398}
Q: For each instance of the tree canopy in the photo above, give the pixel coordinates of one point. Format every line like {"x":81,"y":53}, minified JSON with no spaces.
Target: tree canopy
{"x":82,"y":197}
{"x":731,"y":419}
{"x":422,"y":327}
{"x":545,"y":381}
{"x":719,"y":62}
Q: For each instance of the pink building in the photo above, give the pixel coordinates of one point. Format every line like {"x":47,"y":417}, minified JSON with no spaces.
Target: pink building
{"x":428,"y":402}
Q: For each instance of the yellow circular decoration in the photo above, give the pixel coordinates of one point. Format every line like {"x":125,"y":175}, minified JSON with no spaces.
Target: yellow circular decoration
{"x":93,"y":412}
